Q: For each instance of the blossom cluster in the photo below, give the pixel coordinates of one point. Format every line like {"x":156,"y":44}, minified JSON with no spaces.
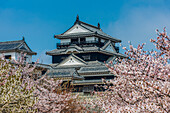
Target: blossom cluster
{"x":142,"y":80}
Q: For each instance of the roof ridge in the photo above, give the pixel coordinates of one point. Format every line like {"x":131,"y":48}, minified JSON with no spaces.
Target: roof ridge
{"x":96,"y":61}
{"x":86,"y":28}
{"x":75,"y":46}
{"x":89,"y":25}
{"x":12,"y":41}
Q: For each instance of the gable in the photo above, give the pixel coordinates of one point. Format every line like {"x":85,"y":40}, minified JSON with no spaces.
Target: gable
{"x":71,"y":60}
{"x":24,"y":47}
{"x":76,"y":29}
{"x":110,"y":48}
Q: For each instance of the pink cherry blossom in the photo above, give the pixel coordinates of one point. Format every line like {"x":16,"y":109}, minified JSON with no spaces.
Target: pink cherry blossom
{"x":142,"y":82}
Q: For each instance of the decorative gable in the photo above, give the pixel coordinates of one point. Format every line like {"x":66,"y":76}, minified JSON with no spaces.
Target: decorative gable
{"x":110,"y":48}
{"x":72,"y":60}
{"x":76,"y":29}
{"x":24,"y":47}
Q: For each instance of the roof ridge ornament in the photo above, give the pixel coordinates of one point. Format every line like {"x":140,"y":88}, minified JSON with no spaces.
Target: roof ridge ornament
{"x":98,"y":25}
{"x":23,"y":38}
{"x":77,"y":20}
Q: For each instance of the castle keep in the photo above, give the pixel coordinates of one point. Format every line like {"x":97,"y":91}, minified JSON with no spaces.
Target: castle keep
{"x":80,"y":56}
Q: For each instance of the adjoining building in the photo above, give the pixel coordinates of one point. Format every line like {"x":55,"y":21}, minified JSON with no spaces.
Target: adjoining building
{"x":80,"y":56}
{"x":13,"y":50}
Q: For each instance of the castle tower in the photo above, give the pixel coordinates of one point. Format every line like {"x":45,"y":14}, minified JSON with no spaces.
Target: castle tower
{"x":82,"y":50}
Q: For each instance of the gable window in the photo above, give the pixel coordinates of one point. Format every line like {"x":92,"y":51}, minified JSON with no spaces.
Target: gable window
{"x":7,"y":56}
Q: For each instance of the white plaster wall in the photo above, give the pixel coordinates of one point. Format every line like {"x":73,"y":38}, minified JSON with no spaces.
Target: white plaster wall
{"x":29,"y":57}
{"x":72,"y":61}
{"x":17,"y":55}
{"x":13,"y":56}
{"x":110,"y":48}
{"x":89,"y":38}
{"x":65,"y":40}
{"x":102,"y":40}
{"x":76,"y":29}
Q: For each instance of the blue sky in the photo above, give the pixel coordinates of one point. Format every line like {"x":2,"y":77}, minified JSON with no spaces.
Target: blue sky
{"x":39,"y":20}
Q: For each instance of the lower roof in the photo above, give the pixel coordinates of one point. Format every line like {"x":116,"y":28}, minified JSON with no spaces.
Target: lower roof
{"x":16,"y":46}
{"x":88,"y":82}
{"x":83,"y":50}
{"x":64,"y":73}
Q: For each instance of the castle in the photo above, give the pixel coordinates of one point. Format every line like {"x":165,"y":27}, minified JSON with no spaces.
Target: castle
{"x":78,"y":58}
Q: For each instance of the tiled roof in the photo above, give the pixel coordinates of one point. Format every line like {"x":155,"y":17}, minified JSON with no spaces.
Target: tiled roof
{"x":92,"y":69}
{"x":45,"y":66}
{"x":13,"y":46}
{"x":93,"y":31}
{"x":83,"y":50}
{"x":64,"y":72}
{"x":88,"y":82}
{"x":79,"y":49}
{"x":92,"y":63}
{"x":97,"y":31}
{"x":9,"y":46}
{"x":97,"y":75}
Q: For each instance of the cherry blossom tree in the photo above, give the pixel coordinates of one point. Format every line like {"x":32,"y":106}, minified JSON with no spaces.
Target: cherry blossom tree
{"x":54,"y":97}
{"x":16,"y":92}
{"x":20,"y":92}
{"x":142,"y":80}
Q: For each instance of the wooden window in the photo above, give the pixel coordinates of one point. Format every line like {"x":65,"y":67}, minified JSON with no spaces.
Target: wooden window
{"x":82,"y":39}
{"x":74,"y":40}
{"x":7,"y":56}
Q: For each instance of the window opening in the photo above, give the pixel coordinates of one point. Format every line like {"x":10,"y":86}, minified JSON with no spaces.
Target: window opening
{"x":74,"y":40}
{"x":7,"y":56}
